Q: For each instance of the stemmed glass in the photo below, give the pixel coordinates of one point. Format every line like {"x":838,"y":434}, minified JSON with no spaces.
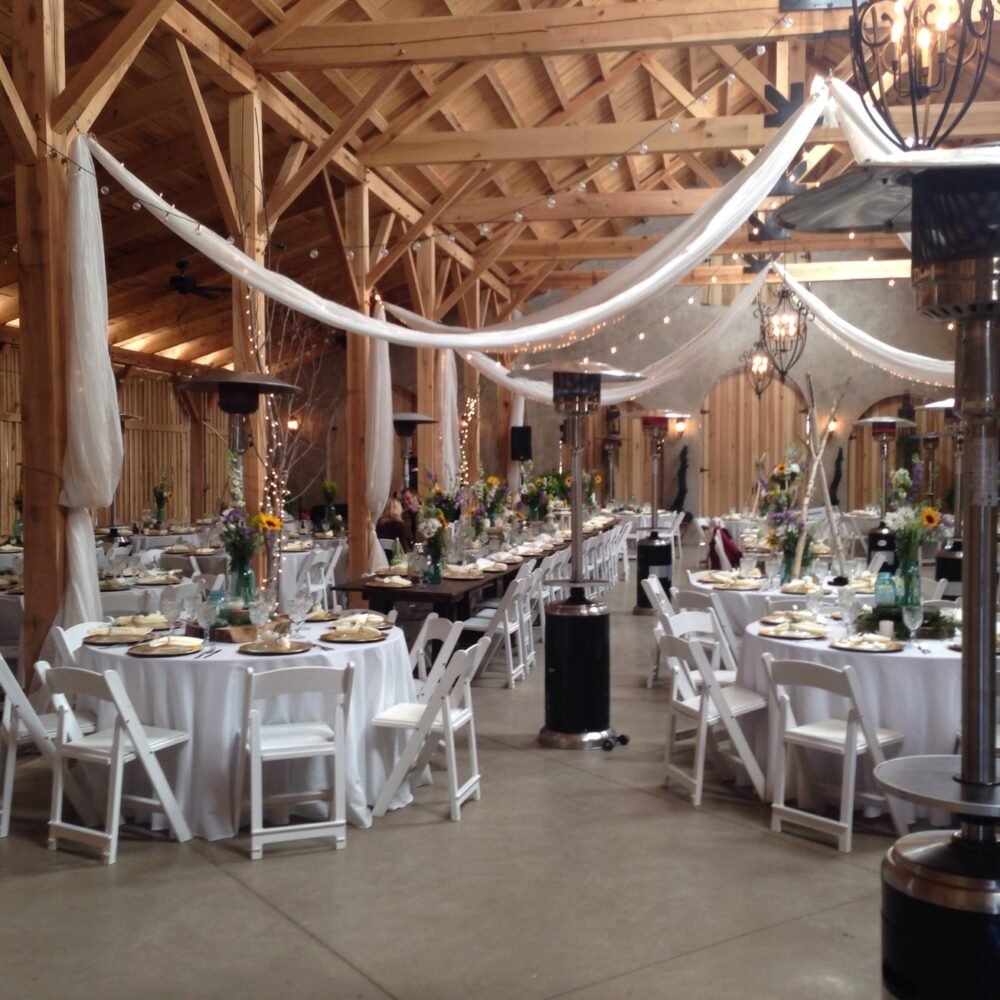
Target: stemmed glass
{"x":849,"y":607}
{"x":205,"y":612}
{"x":913,"y":618}
{"x":298,"y":608}
{"x":772,"y":567}
{"x":170,"y":608}
{"x":260,"y":613}
{"x":814,"y":598}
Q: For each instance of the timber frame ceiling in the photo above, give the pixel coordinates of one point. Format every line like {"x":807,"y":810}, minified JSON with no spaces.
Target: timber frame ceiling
{"x":459,"y":114}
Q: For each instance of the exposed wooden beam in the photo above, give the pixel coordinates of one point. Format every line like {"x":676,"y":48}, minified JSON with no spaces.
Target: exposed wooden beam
{"x":204,"y":133}
{"x":489,"y":255}
{"x":552,"y":31}
{"x":15,"y":119}
{"x":284,"y":194}
{"x":82,"y":99}
{"x":746,"y":72}
{"x":337,"y":231}
{"x":303,"y":13}
{"x":587,"y":141}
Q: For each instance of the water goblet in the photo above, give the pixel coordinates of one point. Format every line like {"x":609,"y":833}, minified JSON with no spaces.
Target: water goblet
{"x":813,"y":600}
{"x":772,"y":567}
{"x":298,"y":608}
{"x":170,"y":608}
{"x":205,"y":614}
{"x":260,"y":614}
{"x":913,"y":618}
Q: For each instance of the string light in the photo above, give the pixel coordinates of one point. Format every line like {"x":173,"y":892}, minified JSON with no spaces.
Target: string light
{"x":643,"y":148}
{"x":313,"y":254}
{"x":666,"y":320}
{"x":550,"y":202}
{"x":760,"y":49}
{"x":519,"y":216}
{"x":613,"y":166}
{"x":581,"y":186}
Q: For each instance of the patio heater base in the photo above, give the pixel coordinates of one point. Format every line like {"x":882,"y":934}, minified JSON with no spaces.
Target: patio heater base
{"x":578,"y":675}
{"x":882,"y":540}
{"x":940,"y":918}
{"x":655,"y":555}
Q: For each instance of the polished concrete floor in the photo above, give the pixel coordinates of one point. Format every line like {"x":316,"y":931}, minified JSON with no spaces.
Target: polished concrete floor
{"x":578,"y":875}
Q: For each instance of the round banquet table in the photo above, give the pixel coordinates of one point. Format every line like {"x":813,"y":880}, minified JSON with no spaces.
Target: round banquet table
{"x":205,"y":697}
{"x":914,"y":693}
{"x":141,"y":542}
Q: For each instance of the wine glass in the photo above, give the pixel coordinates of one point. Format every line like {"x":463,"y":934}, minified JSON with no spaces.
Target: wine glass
{"x":913,"y":618}
{"x":772,"y":567}
{"x":814,"y":598}
{"x":170,"y":608}
{"x":205,"y":613}
{"x":298,"y":608}
{"x":260,"y":613}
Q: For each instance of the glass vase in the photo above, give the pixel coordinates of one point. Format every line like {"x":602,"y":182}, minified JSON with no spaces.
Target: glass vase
{"x":161,"y":515}
{"x":432,"y":574}
{"x":910,"y":590}
{"x":242,"y":583}
{"x":788,"y":566}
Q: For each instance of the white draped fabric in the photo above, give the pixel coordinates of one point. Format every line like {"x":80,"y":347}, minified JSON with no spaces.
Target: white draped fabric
{"x":451,"y":446}
{"x":904,"y":364}
{"x":379,"y":438}
{"x":93,"y":460}
{"x":516,"y":420}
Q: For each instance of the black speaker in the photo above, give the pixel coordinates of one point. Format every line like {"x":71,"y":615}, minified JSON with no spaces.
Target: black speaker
{"x":520,"y":444}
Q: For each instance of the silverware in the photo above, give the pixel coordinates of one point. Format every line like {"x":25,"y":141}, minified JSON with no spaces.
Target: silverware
{"x":211,"y":652}
{"x":205,"y":653}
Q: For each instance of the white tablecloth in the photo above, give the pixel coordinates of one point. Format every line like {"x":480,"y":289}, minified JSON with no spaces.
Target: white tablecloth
{"x":205,"y":698}
{"x":914,"y":693}
{"x":142,"y":542}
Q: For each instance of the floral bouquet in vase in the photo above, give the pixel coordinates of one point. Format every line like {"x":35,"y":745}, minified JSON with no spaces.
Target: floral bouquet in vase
{"x":242,"y":536}
{"x":433,"y":530}
{"x":913,"y":525}
{"x":162,"y":493}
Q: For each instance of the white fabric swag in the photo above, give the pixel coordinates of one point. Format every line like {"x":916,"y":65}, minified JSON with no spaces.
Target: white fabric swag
{"x":448,"y":431}
{"x":93,"y":459}
{"x":379,"y":439}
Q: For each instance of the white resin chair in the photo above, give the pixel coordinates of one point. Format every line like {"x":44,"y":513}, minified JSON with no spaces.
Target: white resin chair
{"x":704,"y":626}
{"x":657,"y":596}
{"x":446,"y":711}
{"x":876,"y":562}
{"x":427,"y":663}
{"x":931,"y":589}
{"x":22,"y":726}
{"x":261,"y":743}
{"x":710,"y":707}
{"x":68,"y":640}
{"x":124,"y":603}
{"x":502,"y":626}
{"x":126,"y":741}
{"x":850,"y":738}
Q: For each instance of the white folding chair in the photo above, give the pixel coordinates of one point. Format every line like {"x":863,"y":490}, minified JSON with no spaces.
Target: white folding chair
{"x":657,"y":596}
{"x":847,"y":738}
{"x":876,"y":562}
{"x":446,"y":710}
{"x":338,"y":558}
{"x":720,"y":550}
{"x":126,"y":741}
{"x":709,"y":706}
{"x":702,"y":600}
{"x":502,"y":626}
{"x":931,"y":589}
{"x":123,"y":603}
{"x":424,"y":660}
{"x":262,"y":743}
{"x":68,"y":640}
{"x":20,"y":726}
{"x":704,"y":626}
{"x":150,"y":558}
{"x":11,"y":623}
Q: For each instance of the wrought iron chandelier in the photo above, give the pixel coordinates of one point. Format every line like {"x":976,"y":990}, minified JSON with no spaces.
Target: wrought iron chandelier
{"x":783,"y":329}
{"x":758,"y":367}
{"x":912,"y":51}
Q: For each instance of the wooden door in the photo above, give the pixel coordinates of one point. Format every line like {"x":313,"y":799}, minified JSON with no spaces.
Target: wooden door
{"x":737,"y":428}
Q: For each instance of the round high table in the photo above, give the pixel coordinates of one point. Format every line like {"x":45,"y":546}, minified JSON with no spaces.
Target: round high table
{"x":205,"y":697}
{"x":912,"y":692}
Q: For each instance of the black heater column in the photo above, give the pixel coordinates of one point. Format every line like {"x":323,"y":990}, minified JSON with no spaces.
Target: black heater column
{"x":578,"y":629}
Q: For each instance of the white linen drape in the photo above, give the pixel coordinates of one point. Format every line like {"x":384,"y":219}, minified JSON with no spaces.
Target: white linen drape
{"x":451,"y":446}
{"x":93,"y":459}
{"x":516,"y":420}
{"x":904,"y":364}
{"x":378,"y":440}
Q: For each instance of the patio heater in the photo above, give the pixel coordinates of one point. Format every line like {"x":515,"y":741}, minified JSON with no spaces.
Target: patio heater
{"x":239,"y":396}
{"x":941,"y":889}
{"x":654,"y":553}
{"x":612,"y":445}
{"x":406,"y":426}
{"x":883,"y":539}
{"x":577,"y":629}
{"x":948,"y":558}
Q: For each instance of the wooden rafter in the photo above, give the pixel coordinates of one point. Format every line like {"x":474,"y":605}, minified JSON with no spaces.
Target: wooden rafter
{"x":15,"y":119}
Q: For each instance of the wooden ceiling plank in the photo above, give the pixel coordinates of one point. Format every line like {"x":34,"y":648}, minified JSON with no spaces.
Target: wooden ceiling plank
{"x":83,"y":97}
{"x":559,"y":31}
{"x":204,"y":133}
{"x":284,"y":194}
{"x":497,"y":246}
{"x":699,"y":169}
{"x":305,"y":12}
{"x":15,"y":120}
{"x":529,"y":289}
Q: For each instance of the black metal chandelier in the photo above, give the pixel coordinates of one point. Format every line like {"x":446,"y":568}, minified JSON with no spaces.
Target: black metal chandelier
{"x":783,"y":329}
{"x":758,"y":367}
{"x":912,"y":51}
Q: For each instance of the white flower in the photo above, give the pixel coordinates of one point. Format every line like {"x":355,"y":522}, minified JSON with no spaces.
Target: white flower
{"x":430,"y":527}
{"x":794,"y":469}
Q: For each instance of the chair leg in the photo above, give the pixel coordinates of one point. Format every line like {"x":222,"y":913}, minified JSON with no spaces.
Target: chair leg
{"x":338,"y":803}
{"x":778,"y":784}
{"x":847,"y":796}
{"x":112,"y":815}
{"x":8,"y":751}
{"x":256,"y":804}
{"x":55,"y":812}
{"x":699,"y":762}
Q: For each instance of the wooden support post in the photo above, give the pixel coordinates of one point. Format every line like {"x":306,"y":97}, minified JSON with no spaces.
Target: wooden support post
{"x":356,"y":235}
{"x":39,"y":74}
{"x":249,"y":318}
{"x":505,"y":403}
{"x":428,"y":437}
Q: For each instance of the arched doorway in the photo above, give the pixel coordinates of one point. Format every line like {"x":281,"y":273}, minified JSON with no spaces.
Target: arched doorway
{"x":864,"y":459}
{"x":737,"y":428}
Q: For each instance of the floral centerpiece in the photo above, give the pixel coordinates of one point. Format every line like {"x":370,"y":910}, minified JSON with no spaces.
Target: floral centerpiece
{"x":242,"y":536}
{"x":557,"y":485}
{"x":913,"y":526}
{"x":162,"y":493}
{"x":449,"y":505}
{"x":536,"y":499}
{"x":433,"y":531}
{"x":780,"y":504}
{"x":591,"y":480}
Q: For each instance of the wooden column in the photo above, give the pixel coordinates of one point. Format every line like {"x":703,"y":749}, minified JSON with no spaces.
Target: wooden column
{"x":357,"y":237}
{"x":428,"y":437}
{"x":39,"y":74}
{"x":249,"y":312}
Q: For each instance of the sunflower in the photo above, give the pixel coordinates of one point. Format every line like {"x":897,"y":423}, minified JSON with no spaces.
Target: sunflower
{"x":539,"y":482}
{"x":569,"y":480}
{"x":268,"y":522}
{"x":598,"y":480}
{"x":781,"y":469}
{"x":492,"y":481}
{"x":929,"y":518}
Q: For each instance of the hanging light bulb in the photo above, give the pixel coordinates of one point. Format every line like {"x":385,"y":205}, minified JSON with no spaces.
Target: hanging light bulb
{"x":550,"y":202}
{"x":519,"y":216}
{"x":416,"y":246}
{"x":349,"y":255}
{"x":613,"y":166}
{"x":783,"y":328}
{"x":760,"y":49}
{"x":643,"y":148}
{"x":675,"y":127}
{"x":313,"y":254}
{"x":581,"y":185}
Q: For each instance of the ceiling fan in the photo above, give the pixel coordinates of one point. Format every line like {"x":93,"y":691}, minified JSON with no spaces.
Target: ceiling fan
{"x":185,"y":284}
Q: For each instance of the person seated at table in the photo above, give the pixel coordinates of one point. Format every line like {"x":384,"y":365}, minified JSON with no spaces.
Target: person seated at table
{"x":392,"y":525}
{"x":411,"y":512}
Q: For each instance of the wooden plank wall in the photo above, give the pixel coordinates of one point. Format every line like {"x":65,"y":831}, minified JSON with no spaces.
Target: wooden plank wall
{"x":863,"y":458}
{"x":10,"y":433}
{"x":737,"y":427}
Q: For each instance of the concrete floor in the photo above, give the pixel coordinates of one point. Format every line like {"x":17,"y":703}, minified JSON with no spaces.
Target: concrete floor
{"x":577,"y":875}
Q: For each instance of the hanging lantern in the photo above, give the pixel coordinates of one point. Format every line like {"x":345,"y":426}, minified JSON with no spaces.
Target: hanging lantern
{"x":758,"y":367}
{"x":910,"y":52}
{"x":782,"y":329}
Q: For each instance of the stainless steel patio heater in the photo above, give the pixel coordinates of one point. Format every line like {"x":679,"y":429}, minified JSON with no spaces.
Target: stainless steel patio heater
{"x":577,"y":629}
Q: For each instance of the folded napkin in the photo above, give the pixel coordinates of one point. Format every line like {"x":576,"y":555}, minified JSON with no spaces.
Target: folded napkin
{"x":153,"y":620}
{"x":490,"y":566}
{"x":355,"y":631}
{"x":800,"y":587}
{"x":396,"y":581}
{"x":120,"y":631}
{"x":810,"y":628}
{"x":363,"y":618}
{"x":867,"y":640}
{"x":188,"y":642}
{"x":456,"y":570}
{"x":182,"y":547}
{"x":317,"y":613}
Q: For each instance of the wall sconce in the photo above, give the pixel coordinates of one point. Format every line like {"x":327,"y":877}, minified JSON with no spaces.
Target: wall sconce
{"x":681,"y":426}
{"x":294,"y":424}
{"x":833,"y":425}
